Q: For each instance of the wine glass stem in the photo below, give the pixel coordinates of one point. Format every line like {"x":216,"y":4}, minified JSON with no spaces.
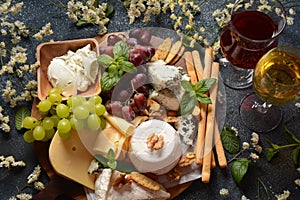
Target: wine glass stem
{"x":262,"y":108}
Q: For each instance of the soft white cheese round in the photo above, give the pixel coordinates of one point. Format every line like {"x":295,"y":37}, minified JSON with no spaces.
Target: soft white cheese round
{"x":158,"y":161}
{"x":62,"y":77}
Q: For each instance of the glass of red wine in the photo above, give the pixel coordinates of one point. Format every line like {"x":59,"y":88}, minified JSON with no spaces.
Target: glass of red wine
{"x":252,"y":31}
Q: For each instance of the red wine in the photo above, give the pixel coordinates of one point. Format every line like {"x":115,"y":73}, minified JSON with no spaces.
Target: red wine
{"x":248,"y":38}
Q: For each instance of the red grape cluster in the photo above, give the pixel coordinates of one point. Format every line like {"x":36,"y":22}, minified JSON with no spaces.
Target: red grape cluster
{"x":139,"y":43}
{"x":129,"y":101}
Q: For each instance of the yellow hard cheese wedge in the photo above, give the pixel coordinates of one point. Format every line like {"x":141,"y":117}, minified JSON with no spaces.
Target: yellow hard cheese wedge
{"x":70,"y":159}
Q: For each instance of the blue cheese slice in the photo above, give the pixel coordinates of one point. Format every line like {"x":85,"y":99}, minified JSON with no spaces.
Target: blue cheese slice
{"x":165,"y":98}
{"x":186,"y":127}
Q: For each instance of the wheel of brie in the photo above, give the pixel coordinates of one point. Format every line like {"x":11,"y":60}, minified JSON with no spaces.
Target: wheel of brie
{"x":159,"y":159}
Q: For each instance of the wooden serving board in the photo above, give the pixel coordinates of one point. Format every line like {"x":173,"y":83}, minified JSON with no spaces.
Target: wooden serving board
{"x":62,"y":184}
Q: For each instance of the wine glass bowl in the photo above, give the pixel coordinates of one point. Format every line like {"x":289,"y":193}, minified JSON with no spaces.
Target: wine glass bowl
{"x":276,"y":81}
{"x":252,"y":31}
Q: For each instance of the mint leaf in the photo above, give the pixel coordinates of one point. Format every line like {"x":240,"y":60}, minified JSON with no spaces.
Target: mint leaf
{"x":204,"y":85}
{"x":108,"y":82}
{"x":270,"y":153}
{"x":20,"y":115}
{"x":230,"y":140}
{"x":127,"y":66}
{"x":112,"y":163}
{"x":203,"y":98}
{"x":239,"y":168}
{"x":105,"y":60}
{"x":187,"y":103}
{"x":187,"y":86}
{"x":121,"y":49}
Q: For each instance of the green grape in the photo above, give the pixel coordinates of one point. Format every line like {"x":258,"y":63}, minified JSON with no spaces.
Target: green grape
{"x":74,"y":101}
{"x":64,"y":126}
{"x":89,"y":106}
{"x":80,"y":112}
{"x":28,"y":136}
{"x":62,"y":110}
{"x":54,"y":90}
{"x":47,"y":123}
{"x":94,"y":122}
{"x":64,"y":136}
{"x":77,"y":124}
{"x":95,"y":99}
{"x":55,"y":119}
{"x":100,"y":109}
{"x":44,"y":105}
{"x":55,"y":98}
{"x":103,"y":123}
{"x":30,"y":122}
{"x":49,"y":134}
{"x":39,"y":133}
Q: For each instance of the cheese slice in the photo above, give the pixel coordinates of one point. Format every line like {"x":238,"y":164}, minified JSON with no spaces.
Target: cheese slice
{"x":70,"y":158}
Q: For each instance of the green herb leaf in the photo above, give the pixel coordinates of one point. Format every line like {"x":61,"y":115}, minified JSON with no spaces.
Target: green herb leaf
{"x":112,"y":163}
{"x":203,"y":98}
{"x":204,"y":85}
{"x":127,"y":66}
{"x":291,"y":138}
{"x":239,"y":169}
{"x":104,"y":60}
{"x":230,"y":141}
{"x":109,"y":10}
{"x":81,"y":22}
{"x":108,"y":82}
{"x":20,"y":115}
{"x":270,"y":153}
{"x":187,"y":86}
{"x":121,"y":49}
{"x":187,"y":103}
{"x":295,"y":155}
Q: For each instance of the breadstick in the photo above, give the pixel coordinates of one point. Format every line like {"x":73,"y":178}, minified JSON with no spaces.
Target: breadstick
{"x":203,"y":107}
{"x":210,"y":124}
{"x":190,"y":66}
{"x":219,"y":148}
{"x":198,"y":64}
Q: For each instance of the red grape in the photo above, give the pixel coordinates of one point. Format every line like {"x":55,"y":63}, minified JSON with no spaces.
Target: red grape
{"x":140,"y":101}
{"x":132,"y":42}
{"x":107,"y":50}
{"x":128,"y":113}
{"x":114,"y":108}
{"x":123,"y":96}
{"x":135,"y":58}
{"x":144,"y":89}
{"x":113,"y":39}
{"x":145,"y":37}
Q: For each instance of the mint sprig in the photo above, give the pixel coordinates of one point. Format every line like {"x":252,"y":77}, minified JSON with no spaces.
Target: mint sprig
{"x":116,"y":66}
{"x":195,"y":93}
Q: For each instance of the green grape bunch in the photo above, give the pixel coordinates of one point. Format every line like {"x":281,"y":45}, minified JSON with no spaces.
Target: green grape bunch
{"x":61,"y":117}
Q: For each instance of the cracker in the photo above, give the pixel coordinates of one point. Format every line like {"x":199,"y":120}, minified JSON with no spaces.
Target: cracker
{"x":178,"y":56}
{"x":173,"y":51}
{"x":163,"y":50}
{"x":145,"y":181}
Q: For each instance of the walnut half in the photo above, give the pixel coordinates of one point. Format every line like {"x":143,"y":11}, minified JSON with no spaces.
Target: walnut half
{"x":155,"y":141}
{"x":187,"y":159}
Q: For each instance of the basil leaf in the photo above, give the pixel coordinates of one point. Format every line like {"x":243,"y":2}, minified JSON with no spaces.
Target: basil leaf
{"x":295,"y":155}
{"x":121,"y":50}
{"x":187,"y":86}
{"x":230,"y":140}
{"x":187,"y":103}
{"x":112,"y":163}
{"x":239,"y":168}
{"x":20,"y":115}
{"x":203,"y":98}
{"x":104,"y":60}
{"x":209,"y":82}
{"x":200,"y":84}
{"x":270,"y":153}
{"x":127,"y":66}
{"x":108,"y":82}
{"x":204,"y":85}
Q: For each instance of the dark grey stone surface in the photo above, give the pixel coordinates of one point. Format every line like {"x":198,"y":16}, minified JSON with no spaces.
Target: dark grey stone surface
{"x":278,"y":175}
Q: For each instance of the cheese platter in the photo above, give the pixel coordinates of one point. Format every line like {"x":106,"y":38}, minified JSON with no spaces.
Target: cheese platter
{"x":171,"y":62}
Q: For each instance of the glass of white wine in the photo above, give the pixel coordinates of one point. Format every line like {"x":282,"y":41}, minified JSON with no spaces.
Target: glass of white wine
{"x":276,"y":81}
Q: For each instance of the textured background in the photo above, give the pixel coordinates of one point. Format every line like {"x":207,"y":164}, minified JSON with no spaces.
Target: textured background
{"x":277,"y":175}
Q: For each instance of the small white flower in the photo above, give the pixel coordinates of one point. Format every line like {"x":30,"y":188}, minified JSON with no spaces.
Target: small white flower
{"x":34,"y":175}
{"x":224,"y":191}
{"x":244,"y":198}
{"x":297,"y":181}
{"x":246,"y":145}
{"x":283,"y":196}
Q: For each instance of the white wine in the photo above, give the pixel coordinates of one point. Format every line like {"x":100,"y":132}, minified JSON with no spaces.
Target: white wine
{"x":277,"y":76}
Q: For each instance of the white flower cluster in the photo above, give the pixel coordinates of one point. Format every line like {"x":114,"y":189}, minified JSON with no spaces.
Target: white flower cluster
{"x":9,"y":161}
{"x":224,"y":192}
{"x":46,"y":31}
{"x":88,"y":13}
{"x":283,"y":196}
{"x":21,"y":196}
{"x":4,"y":126}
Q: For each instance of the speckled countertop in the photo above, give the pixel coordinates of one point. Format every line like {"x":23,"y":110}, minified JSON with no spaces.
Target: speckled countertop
{"x":277,"y":175}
